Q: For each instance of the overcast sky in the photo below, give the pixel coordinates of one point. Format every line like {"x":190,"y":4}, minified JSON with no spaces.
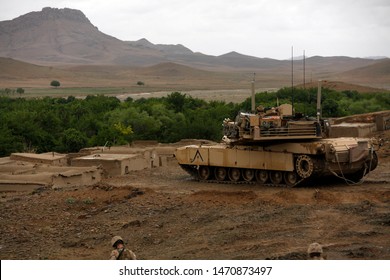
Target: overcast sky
{"x":262,"y":28}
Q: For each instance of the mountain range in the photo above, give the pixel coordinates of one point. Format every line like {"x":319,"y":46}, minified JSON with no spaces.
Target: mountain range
{"x":66,"y":37}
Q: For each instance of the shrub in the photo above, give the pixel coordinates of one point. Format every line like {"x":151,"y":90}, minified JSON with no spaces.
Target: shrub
{"x":55,"y":83}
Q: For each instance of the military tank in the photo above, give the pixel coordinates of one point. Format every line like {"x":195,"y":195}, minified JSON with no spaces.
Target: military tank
{"x":273,"y":146}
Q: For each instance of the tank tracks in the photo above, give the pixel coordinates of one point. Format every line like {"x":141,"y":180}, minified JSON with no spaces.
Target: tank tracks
{"x":193,"y":172}
{"x":249,"y":183}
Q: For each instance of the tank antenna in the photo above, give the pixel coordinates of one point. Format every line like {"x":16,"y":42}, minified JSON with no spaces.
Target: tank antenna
{"x":292,"y":77}
{"x":304,"y":70}
{"x":319,"y":100}
{"x":304,"y":78}
{"x":253,"y":102}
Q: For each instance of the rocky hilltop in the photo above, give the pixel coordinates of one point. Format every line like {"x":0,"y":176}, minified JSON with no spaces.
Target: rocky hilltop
{"x":52,"y":14}
{"x":66,"y":36}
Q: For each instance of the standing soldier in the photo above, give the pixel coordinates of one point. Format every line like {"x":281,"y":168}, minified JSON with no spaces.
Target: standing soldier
{"x":315,"y":251}
{"x":120,"y":252}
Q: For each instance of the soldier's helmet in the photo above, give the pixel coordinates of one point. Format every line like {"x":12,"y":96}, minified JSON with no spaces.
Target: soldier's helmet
{"x":314,"y":248}
{"x":260,"y":108}
{"x":115,"y":240}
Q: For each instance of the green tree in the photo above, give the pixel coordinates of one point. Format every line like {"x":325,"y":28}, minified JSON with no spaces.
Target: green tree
{"x":73,"y":140}
{"x":55,"y":83}
{"x":20,"y":91}
{"x":176,"y":101}
{"x":7,"y":91}
{"x":23,"y":124}
{"x":124,"y":131}
{"x":9,"y":143}
{"x":330,"y":108}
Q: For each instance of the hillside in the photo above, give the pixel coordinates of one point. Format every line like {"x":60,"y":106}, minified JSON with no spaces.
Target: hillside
{"x":341,"y":63}
{"x":342,"y":86}
{"x":66,"y":40}
{"x":160,"y":77}
{"x":64,"y":36}
{"x":377,"y":74}
{"x":13,"y":69}
{"x":67,"y":36}
{"x":163,"y":76}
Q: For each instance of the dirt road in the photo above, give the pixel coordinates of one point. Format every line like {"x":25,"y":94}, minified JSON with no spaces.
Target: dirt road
{"x":164,"y":214}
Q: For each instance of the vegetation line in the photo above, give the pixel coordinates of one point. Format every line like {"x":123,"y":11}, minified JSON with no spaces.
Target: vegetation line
{"x":69,"y":124}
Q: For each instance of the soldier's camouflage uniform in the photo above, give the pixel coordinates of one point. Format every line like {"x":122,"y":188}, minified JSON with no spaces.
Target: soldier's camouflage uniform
{"x":121,"y":253}
{"x":126,"y":255}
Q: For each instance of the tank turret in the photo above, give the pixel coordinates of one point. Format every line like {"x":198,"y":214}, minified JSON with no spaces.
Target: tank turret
{"x":268,"y":124}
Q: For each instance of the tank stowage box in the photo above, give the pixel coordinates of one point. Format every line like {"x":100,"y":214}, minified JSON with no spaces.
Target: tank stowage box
{"x":273,"y":148}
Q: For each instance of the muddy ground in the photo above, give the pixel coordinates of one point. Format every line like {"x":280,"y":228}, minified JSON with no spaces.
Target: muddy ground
{"x":164,"y":214}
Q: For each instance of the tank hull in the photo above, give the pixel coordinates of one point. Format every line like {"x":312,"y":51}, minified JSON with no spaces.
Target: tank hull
{"x":284,"y":163}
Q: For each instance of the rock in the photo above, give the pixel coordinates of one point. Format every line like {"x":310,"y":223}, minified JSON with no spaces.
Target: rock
{"x":135,"y":223}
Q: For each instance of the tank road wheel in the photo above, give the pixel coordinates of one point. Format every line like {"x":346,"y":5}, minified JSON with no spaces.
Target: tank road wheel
{"x":204,"y":172}
{"x":261,"y":176}
{"x":290,"y":178}
{"x":248,"y":174}
{"x":234,"y":174}
{"x":276,"y":177}
{"x":304,"y":166}
{"x":220,"y":173}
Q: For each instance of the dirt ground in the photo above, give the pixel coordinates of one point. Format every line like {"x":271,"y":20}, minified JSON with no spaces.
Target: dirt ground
{"x":163,"y":213}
